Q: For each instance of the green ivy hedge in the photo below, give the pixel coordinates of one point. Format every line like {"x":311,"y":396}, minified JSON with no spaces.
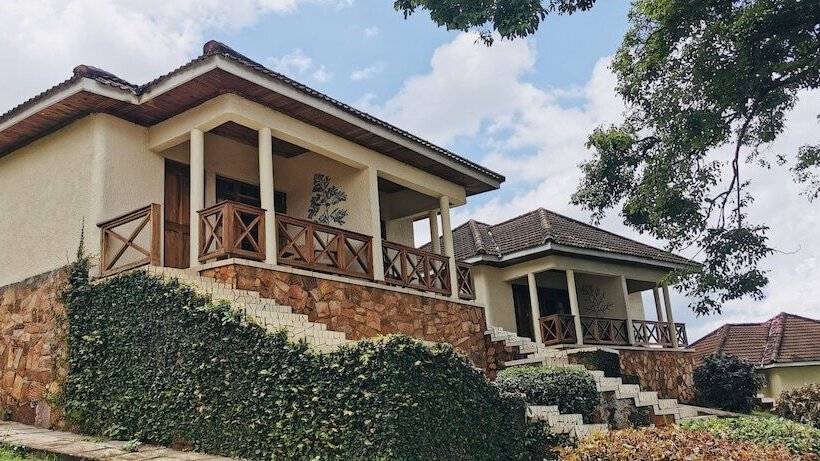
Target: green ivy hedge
{"x":154,"y":361}
{"x":572,"y":390}
{"x":799,"y":438}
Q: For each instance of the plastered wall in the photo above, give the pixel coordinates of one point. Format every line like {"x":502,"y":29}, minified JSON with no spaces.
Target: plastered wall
{"x":786,"y":378}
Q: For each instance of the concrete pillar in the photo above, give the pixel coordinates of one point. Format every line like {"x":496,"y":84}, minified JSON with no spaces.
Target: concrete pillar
{"x":435,"y":241}
{"x":375,"y":222}
{"x":573,"y":307}
{"x":197,"y":167}
{"x":266,"y":193}
{"x":630,"y":331}
{"x":658,"y":306}
{"x":535,"y":308}
{"x":447,"y":236}
{"x":668,"y":304}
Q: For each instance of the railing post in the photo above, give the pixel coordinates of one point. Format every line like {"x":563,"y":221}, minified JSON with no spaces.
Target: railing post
{"x":673,"y":332}
{"x":573,"y":307}
{"x":630,"y":330}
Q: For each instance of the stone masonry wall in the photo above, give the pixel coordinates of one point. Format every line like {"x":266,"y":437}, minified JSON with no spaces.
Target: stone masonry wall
{"x":32,"y":349}
{"x":667,"y":372}
{"x":366,"y":311}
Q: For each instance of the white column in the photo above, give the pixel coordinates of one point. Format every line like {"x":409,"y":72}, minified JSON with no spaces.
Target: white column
{"x":630,"y":330}
{"x":266,"y":192}
{"x":435,"y":241}
{"x":668,"y":304}
{"x":658,"y":306}
{"x":535,"y":308}
{"x":447,"y":236}
{"x":197,"y":167}
{"x":573,"y":307}
{"x":375,"y":223}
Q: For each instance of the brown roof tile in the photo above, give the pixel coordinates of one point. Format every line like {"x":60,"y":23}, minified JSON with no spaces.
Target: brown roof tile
{"x":785,"y":338}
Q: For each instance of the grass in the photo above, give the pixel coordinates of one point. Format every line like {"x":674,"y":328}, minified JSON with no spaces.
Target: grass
{"x":12,"y":454}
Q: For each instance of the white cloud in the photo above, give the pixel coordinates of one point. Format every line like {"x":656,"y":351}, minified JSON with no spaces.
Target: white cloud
{"x":370,"y":32}
{"x":294,"y":63}
{"x":42,"y":40}
{"x":367,"y":72}
{"x":322,"y":75}
{"x":536,"y":136}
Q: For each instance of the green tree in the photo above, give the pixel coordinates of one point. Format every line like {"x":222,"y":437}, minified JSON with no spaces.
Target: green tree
{"x":509,"y":18}
{"x":707,"y":85}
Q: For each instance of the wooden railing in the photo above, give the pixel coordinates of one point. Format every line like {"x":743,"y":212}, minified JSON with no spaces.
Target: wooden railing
{"x":557,"y":329}
{"x":598,"y":330}
{"x":648,"y":332}
{"x":464,"y":278}
{"x":130,"y":240}
{"x":414,"y":268}
{"x":560,"y":328}
{"x":231,"y":230}
{"x":322,"y":248}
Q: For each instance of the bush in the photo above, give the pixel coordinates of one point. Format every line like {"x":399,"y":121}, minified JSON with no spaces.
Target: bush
{"x":572,"y":390}
{"x":608,"y":362}
{"x":727,"y":382}
{"x":801,"y":405}
{"x":796,"y":437}
{"x":662,"y":444}
{"x":152,"y":360}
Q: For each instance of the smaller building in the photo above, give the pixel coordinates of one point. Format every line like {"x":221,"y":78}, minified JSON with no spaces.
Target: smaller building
{"x":785,"y":349}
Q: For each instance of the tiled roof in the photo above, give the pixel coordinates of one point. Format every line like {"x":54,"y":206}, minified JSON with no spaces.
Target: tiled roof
{"x":215,"y":48}
{"x":785,"y":338}
{"x":534,"y":229}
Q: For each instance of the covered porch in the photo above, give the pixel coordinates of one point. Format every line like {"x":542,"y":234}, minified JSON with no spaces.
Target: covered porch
{"x":564,"y":307}
{"x":235,"y":188}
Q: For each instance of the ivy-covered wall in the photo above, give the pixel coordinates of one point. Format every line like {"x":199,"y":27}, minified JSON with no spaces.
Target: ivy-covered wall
{"x":32,"y":349}
{"x":154,"y":361}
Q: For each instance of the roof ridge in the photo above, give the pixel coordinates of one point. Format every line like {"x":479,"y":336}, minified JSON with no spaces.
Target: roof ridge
{"x":545,"y":224}
{"x":479,"y":243}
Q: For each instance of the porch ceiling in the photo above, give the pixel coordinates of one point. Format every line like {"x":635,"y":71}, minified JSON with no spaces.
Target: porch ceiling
{"x":221,"y":70}
{"x":247,"y":136}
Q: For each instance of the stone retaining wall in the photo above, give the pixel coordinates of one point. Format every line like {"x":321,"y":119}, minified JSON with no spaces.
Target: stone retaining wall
{"x":668,"y":372}
{"x":366,"y":311}
{"x":32,"y":349}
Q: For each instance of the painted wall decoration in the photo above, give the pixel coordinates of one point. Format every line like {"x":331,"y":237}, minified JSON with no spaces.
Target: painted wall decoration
{"x":594,"y":299}
{"x":324,"y":199}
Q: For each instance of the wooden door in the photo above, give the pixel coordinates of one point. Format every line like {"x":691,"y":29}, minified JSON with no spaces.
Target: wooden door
{"x":177,"y":215}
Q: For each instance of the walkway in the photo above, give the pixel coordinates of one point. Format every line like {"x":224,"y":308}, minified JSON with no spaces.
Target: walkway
{"x":66,"y":445}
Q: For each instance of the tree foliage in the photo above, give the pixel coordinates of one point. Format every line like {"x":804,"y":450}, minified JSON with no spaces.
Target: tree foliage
{"x":727,"y":382}
{"x":708,"y":85}
{"x":509,"y":19}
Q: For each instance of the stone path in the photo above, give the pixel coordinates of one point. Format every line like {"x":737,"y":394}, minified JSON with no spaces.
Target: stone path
{"x":66,"y":445}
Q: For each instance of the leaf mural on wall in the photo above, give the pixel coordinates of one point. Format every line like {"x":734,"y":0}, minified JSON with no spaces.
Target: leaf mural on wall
{"x":324,"y":199}
{"x":594,"y":299}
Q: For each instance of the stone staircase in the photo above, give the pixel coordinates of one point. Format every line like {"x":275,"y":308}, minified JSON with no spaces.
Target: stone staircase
{"x":572,"y":424}
{"x":261,"y":311}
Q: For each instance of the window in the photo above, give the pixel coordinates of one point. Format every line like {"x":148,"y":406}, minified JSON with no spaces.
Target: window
{"x":242,"y":192}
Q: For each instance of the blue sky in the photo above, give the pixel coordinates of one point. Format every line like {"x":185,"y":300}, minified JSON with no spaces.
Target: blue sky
{"x":523,"y":108}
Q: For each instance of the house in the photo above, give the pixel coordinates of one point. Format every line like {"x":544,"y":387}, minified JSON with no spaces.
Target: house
{"x":784,"y":349}
{"x":299,"y":208}
{"x":565,"y":283}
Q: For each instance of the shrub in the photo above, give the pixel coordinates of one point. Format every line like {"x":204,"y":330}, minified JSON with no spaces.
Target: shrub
{"x":572,"y":390}
{"x":801,"y":405}
{"x":608,"y":362}
{"x":152,"y":360}
{"x":798,"y":438}
{"x":727,"y":382}
{"x":662,"y":444}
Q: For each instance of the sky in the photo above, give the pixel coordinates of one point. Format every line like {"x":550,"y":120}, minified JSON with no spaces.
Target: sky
{"x":522,"y":108}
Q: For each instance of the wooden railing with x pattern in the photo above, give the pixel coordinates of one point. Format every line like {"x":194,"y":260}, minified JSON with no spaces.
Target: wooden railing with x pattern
{"x":648,"y":332}
{"x":323,"y":248}
{"x":231,"y":230}
{"x":414,"y":268}
{"x":131,"y":240}
{"x":557,"y":329}
{"x":464,"y":278}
